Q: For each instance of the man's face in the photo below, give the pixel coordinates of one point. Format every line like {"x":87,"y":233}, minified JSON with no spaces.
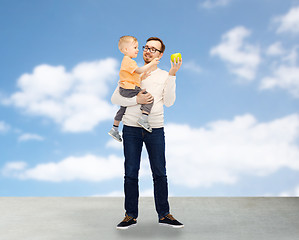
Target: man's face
{"x":147,"y":55}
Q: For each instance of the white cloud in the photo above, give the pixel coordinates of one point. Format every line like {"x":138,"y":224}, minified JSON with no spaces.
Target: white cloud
{"x":112,"y":143}
{"x":192,"y":66}
{"x":30,"y":136}
{"x":214,"y":3}
{"x":12,"y":169}
{"x":147,"y":193}
{"x":88,"y":168}
{"x":275,"y":49}
{"x":220,"y":152}
{"x":224,"y":150}
{"x":242,"y":58}
{"x":285,"y":75}
{"x":291,"y":193}
{"x":291,"y":57}
{"x":75,"y":100}
{"x":4,"y":127}
{"x":289,"y":22}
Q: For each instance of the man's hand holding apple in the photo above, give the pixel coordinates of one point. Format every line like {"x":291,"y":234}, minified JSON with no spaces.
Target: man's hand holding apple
{"x":176,"y":62}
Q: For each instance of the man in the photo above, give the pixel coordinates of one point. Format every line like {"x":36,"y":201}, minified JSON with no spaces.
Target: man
{"x":160,"y":90}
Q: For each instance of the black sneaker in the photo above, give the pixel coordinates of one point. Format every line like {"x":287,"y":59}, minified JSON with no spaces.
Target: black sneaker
{"x":127,"y":222}
{"x":170,"y":221}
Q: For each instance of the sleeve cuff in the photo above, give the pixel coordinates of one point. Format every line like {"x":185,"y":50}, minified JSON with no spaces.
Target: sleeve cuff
{"x":171,"y":77}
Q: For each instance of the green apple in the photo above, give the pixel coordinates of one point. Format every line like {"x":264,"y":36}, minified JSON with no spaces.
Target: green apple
{"x":175,"y":56}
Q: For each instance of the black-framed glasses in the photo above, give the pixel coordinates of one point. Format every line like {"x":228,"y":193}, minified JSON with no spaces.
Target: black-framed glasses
{"x":151,"y":50}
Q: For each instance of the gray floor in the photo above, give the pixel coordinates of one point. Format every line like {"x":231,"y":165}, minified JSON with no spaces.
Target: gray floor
{"x":96,"y":217}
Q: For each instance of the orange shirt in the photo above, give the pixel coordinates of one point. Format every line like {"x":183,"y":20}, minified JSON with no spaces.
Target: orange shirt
{"x":128,"y":79}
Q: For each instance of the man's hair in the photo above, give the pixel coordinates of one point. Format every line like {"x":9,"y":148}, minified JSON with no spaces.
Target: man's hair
{"x":125,"y":40}
{"x":157,"y":39}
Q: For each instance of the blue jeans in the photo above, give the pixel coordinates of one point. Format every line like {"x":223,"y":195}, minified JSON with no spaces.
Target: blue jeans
{"x":133,"y":139}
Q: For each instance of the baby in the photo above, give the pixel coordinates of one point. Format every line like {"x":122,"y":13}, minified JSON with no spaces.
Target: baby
{"x":129,"y":83}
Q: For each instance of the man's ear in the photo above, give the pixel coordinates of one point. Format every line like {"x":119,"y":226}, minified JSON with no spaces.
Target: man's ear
{"x":161,"y":54}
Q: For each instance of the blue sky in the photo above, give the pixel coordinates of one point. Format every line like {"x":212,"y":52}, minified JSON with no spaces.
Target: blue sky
{"x":233,"y":130}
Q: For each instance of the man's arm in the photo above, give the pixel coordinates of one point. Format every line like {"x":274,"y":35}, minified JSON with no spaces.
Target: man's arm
{"x":169,"y":91}
{"x":119,"y":100}
{"x":141,"y":98}
{"x":170,"y":86}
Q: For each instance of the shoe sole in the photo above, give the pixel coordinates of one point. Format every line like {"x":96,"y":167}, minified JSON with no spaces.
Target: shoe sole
{"x":172,"y":226}
{"x":125,"y":228}
{"x":115,"y":137}
{"x":150,"y":131}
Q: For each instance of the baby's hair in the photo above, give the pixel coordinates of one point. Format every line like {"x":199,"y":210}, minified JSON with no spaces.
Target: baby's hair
{"x":125,"y":40}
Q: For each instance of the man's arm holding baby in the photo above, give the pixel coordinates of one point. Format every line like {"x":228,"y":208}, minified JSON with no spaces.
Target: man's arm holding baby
{"x":141,"y":98}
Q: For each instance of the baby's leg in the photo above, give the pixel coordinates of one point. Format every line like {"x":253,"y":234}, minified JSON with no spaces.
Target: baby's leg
{"x":114,"y":130}
{"x":146,"y":108}
{"x":116,"y":123}
{"x":143,"y":120}
{"x":119,"y":115}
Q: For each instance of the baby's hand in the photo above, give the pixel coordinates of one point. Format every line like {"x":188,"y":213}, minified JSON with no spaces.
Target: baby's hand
{"x":155,"y":61}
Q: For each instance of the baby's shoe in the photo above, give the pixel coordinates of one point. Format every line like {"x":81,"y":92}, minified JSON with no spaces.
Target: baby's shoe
{"x":143,"y":123}
{"x":115,"y":134}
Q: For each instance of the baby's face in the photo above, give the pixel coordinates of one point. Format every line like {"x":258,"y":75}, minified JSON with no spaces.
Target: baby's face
{"x":132,"y":50}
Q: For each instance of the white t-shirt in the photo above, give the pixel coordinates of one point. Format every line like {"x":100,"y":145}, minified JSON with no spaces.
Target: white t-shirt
{"x":161,"y":86}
